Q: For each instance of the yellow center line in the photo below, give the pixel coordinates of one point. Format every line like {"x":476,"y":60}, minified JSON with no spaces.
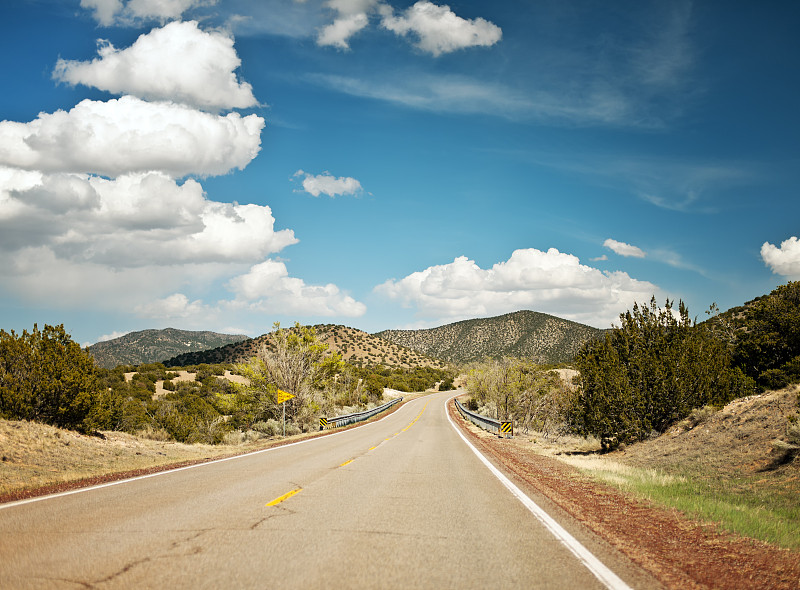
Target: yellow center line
{"x":347,"y":463}
{"x":414,"y":421}
{"x":286,"y":496}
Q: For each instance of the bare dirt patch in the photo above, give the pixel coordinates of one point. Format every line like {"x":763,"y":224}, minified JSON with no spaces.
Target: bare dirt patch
{"x":678,"y":551}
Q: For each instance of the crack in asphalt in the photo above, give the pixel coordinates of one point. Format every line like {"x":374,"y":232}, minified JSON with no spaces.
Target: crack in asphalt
{"x":169,"y":554}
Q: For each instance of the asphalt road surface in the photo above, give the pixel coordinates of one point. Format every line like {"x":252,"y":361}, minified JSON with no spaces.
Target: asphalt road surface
{"x":403,"y":502}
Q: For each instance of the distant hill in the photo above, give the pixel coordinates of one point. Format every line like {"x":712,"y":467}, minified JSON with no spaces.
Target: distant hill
{"x":153,"y":346}
{"x":355,"y":346}
{"x":527,"y":334}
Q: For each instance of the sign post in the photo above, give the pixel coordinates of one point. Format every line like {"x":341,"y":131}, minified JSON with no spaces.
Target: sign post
{"x":282,"y":398}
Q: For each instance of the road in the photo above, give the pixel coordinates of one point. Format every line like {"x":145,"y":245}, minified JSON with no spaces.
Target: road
{"x":399,"y":503}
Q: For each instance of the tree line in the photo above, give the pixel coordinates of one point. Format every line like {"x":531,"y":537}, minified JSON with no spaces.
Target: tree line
{"x":652,"y":370}
{"x":46,"y":377}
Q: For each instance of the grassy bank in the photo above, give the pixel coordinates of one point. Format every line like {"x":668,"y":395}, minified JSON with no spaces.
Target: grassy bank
{"x":761,"y":506}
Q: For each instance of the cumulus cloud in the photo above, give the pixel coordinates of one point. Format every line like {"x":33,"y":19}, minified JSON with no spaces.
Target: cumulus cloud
{"x":130,"y":135}
{"x":174,"y":306}
{"x":624,"y":249}
{"x":352,"y":17}
{"x":177,"y":62}
{"x":132,"y":221}
{"x":439,"y":29}
{"x":328,"y":184}
{"x":784,"y":260}
{"x":550,"y":282}
{"x":110,"y":12}
{"x":268,"y":287}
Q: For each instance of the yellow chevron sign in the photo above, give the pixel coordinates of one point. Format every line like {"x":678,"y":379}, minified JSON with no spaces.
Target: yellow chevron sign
{"x":283,"y":396}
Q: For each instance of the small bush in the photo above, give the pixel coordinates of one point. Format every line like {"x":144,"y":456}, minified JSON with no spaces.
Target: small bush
{"x":268,"y":428}
{"x":238,"y":437}
{"x":153,"y":433}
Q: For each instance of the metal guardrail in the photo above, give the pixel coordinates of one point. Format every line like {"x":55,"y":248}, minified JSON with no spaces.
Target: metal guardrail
{"x":356,"y":417}
{"x":486,"y":423}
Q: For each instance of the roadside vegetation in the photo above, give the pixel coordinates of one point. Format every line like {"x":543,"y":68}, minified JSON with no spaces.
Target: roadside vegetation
{"x":660,"y":381}
{"x":45,"y":377}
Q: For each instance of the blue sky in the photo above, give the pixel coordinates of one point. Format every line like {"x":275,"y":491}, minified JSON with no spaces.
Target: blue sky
{"x":222,"y":165}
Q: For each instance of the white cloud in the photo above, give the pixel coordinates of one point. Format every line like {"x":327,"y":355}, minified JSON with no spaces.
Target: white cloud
{"x":38,"y":276}
{"x":111,"y":336}
{"x":338,"y":33}
{"x":783,"y":260}
{"x":450,"y":93}
{"x":439,"y":29}
{"x":352,"y":17}
{"x":132,"y":221}
{"x":268,"y":287}
{"x":174,"y":306}
{"x":550,"y":282}
{"x":329,"y":185}
{"x":177,"y":62}
{"x":624,"y":249}
{"x":105,"y":11}
{"x":110,"y":12}
{"x":130,"y":135}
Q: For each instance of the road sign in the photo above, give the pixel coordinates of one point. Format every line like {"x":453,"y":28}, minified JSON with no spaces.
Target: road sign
{"x":283,"y":396}
{"x":507,"y":428}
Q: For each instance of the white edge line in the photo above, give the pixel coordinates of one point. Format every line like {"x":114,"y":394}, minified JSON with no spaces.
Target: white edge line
{"x":176,"y":470}
{"x":592,"y":563}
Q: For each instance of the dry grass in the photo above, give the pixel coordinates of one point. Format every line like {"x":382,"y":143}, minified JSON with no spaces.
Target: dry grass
{"x":35,"y":455}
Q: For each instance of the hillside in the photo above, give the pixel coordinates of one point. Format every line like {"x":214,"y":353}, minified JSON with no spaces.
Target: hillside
{"x":527,"y":334}
{"x":355,"y":346}
{"x":152,"y":346}
{"x":765,"y":336}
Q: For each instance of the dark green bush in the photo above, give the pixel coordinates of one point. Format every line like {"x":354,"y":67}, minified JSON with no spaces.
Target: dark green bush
{"x":649,"y":373}
{"x":46,"y":377}
{"x":768,"y":339}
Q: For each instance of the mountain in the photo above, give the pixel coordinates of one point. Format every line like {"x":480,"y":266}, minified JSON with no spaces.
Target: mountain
{"x":527,"y":334}
{"x":543,"y":337}
{"x":153,"y":346}
{"x":355,"y":346}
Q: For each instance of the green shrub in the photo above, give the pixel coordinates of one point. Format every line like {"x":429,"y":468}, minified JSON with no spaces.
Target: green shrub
{"x":46,"y":377}
{"x":768,"y":340}
{"x":268,"y":427}
{"x":649,"y":373}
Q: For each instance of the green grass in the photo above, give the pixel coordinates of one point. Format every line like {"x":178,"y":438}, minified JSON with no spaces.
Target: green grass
{"x":764,"y":506}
